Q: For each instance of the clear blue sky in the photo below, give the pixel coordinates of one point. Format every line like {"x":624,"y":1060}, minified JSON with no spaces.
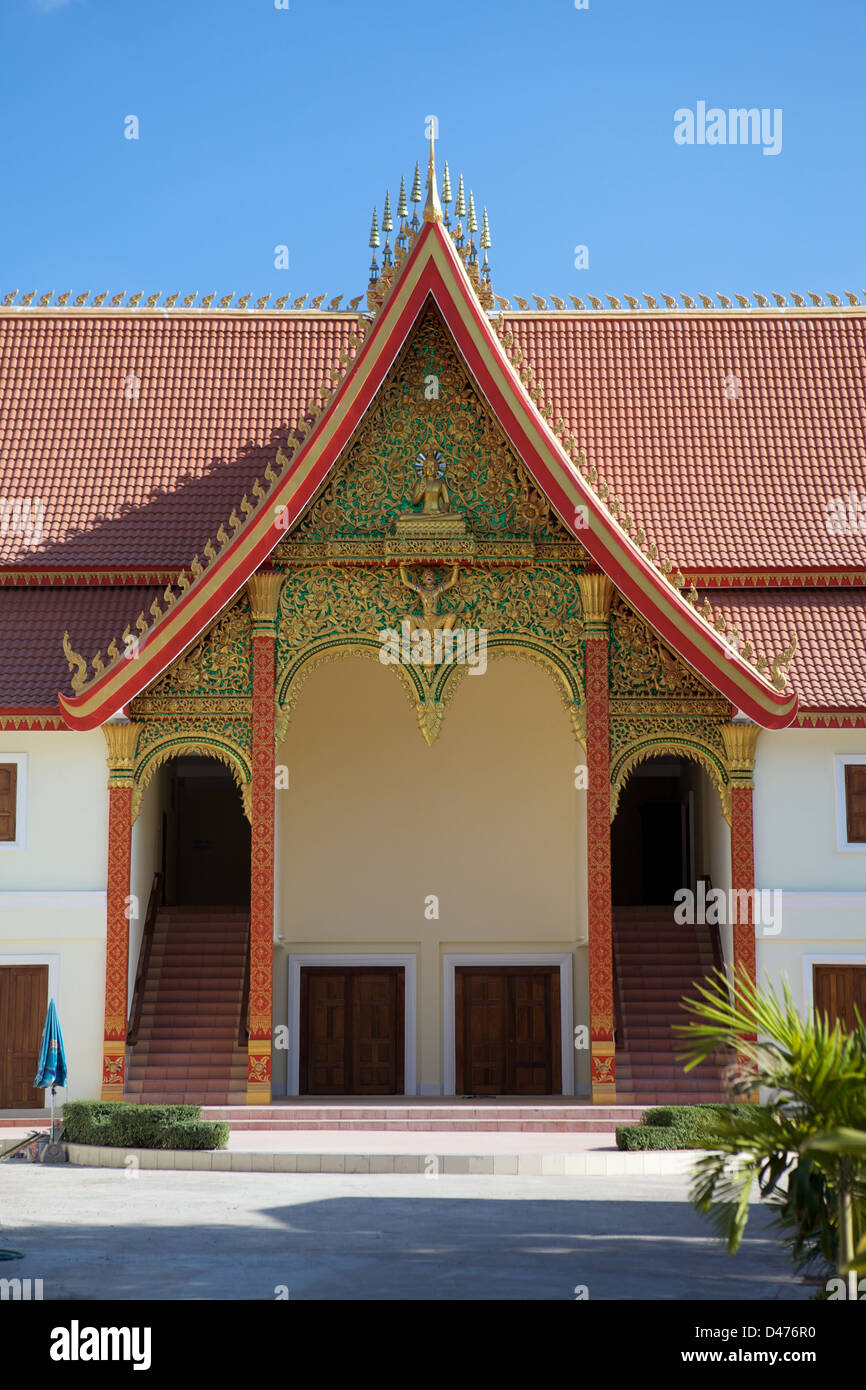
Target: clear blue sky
{"x":261,"y":126}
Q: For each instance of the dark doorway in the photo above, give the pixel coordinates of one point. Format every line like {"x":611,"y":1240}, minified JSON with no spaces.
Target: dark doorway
{"x":651,"y":837}
{"x":208,"y":849}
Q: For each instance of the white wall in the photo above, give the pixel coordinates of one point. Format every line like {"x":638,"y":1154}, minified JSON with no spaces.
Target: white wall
{"x":823,"y":888}
{"x":145,"y":860}
{"x":52,"y":891}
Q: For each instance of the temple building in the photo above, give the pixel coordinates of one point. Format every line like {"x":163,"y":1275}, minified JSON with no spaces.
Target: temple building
{"x":418,"y":696}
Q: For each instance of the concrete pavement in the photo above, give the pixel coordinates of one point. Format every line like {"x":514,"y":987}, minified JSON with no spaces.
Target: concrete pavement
{"x":103,"y":1234}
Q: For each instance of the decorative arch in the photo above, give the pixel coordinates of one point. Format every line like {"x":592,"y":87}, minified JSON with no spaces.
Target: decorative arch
{"x":295,"y":673}
{"x":178,"y":744}
{"x":683,"y":746}
{"x":553,"y":660}
{"x":431,"y":694}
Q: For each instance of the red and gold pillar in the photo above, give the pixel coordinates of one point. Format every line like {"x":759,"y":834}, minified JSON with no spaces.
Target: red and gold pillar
{"x":740,"y":740}
{"x":121,"y":739}
{"x":596,"y":591}
{"x":264,"y":593}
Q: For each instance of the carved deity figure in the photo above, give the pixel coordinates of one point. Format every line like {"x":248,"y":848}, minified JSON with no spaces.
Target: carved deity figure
{"x":429,"y":593}
{"x":431,"y":490}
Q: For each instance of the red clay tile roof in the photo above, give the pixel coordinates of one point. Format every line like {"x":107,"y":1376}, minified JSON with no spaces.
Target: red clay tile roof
{"x":718,"y":482}
{"x":32,"y":623}
{"x":828,"y":669}
{"x":128,"y":481}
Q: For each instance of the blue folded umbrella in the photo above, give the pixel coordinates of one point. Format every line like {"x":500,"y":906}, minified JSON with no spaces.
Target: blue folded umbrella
{"x":51,"y":1067}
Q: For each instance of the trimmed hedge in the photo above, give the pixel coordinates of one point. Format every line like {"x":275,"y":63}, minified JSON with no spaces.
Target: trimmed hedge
{"x":674,"y":1127}
{"x":118,"y":1124}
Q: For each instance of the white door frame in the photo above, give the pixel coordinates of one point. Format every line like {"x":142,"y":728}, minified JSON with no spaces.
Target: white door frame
{"x":410,"y":1011}
{"x":563,"y":960}
{"x":52,"y":960}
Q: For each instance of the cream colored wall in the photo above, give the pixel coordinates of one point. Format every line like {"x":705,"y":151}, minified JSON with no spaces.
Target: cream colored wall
{"x":823,"y":888}
{"x":374,"y":821}
{"x":52,"y":891}
{"x":146,"y":853}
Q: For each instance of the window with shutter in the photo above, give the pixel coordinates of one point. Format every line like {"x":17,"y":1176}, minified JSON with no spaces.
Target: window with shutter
{"x":8,"y":799}
{"x":855,"y":802}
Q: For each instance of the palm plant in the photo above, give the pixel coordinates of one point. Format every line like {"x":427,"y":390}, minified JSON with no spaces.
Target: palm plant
{"x":806,"y":1147}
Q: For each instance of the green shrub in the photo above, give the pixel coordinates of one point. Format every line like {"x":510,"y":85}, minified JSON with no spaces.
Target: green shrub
{"x":634,"y":1137}
{"x":198,"y":1134}
{"x":675,"y":1127}
{"x":118,"y":1124}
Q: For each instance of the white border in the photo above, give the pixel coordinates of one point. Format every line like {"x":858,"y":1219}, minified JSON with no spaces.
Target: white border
{"x":410,"y":1014}
{"x":808,"y":983}
{"x":20,"y":760}
{"x":51,"y":960}
{"x":843,"y":844}
{"x":449,"y":964}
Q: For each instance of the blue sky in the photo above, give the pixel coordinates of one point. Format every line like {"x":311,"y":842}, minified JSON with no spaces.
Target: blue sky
{"x":262,"y":127}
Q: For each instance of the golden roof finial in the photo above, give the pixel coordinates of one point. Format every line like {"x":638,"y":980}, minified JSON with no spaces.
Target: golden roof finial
{"x":432,"y":207}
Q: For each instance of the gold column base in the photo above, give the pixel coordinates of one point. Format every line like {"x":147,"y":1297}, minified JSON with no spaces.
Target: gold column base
{"x":259,"y":1071}
{"x":602,"y":1058}
{"x":111,"y":1092}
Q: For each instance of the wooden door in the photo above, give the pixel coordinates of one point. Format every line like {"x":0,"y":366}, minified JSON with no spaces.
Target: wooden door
{"x":352,"y":1031}
{"x":23,"y":1004}
{"x":838,"y":990}
{"x":508,"y":1040}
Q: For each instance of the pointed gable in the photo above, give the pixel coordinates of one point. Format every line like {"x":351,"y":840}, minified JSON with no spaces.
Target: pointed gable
{"x":432,"y":271}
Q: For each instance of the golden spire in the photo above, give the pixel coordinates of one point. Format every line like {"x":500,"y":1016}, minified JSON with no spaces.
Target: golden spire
{"x":432,"y":207}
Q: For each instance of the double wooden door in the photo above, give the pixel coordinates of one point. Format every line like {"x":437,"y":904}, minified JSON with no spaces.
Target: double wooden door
{"x":23,"y":1003}
{"x":838,"y":990}
{"x":508,"y":1039}
{"x":352,"y":1031}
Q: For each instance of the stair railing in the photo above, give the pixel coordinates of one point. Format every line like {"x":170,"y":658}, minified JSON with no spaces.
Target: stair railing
{"x":244,"y":1021}
{"x":154,"y":903}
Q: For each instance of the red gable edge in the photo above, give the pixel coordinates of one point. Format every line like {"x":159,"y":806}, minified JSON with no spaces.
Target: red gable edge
{"x":434,"y":269}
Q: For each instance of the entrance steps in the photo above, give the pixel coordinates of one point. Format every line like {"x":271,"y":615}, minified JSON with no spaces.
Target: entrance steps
{"x":657,"y":964}
{"x":423,"y":1117}
{"x":187,"y":1050}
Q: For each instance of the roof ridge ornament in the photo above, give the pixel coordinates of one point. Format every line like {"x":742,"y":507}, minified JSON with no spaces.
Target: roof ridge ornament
{"x":432,"y":207}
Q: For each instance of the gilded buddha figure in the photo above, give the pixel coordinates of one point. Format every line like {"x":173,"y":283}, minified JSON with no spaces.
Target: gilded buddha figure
{"x":431,"y":499}
{"x":431,"y":489}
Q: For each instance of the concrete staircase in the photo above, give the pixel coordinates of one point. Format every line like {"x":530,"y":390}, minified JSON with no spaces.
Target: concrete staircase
{"x":657,"y":964}
{"x":543,"y":1116}
{"x":187,"y":1049}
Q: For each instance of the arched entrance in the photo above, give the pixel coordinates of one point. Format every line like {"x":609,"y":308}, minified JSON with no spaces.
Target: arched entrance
{"x":189,"y":943}
{"x":668,"y":834}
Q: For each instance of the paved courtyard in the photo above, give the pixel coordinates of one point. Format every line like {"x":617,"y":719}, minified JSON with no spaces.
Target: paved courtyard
{"x":104,"y":1234}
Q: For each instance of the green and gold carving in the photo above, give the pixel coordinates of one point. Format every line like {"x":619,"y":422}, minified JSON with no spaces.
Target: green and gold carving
{"x":428,"y":405}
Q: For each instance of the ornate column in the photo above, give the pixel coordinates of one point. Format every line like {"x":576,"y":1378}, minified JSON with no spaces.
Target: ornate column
{"x":740,"y":740}
{"x":596,"y":591}
{"x":121,"y":739}
{"x":264,"y":592}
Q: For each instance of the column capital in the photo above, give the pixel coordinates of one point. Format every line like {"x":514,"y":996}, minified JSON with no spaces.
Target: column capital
{"x":122,"y":741}
{"x":264,"y":590}
{"x":596,"y":592}
{"x":740,"y":739}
